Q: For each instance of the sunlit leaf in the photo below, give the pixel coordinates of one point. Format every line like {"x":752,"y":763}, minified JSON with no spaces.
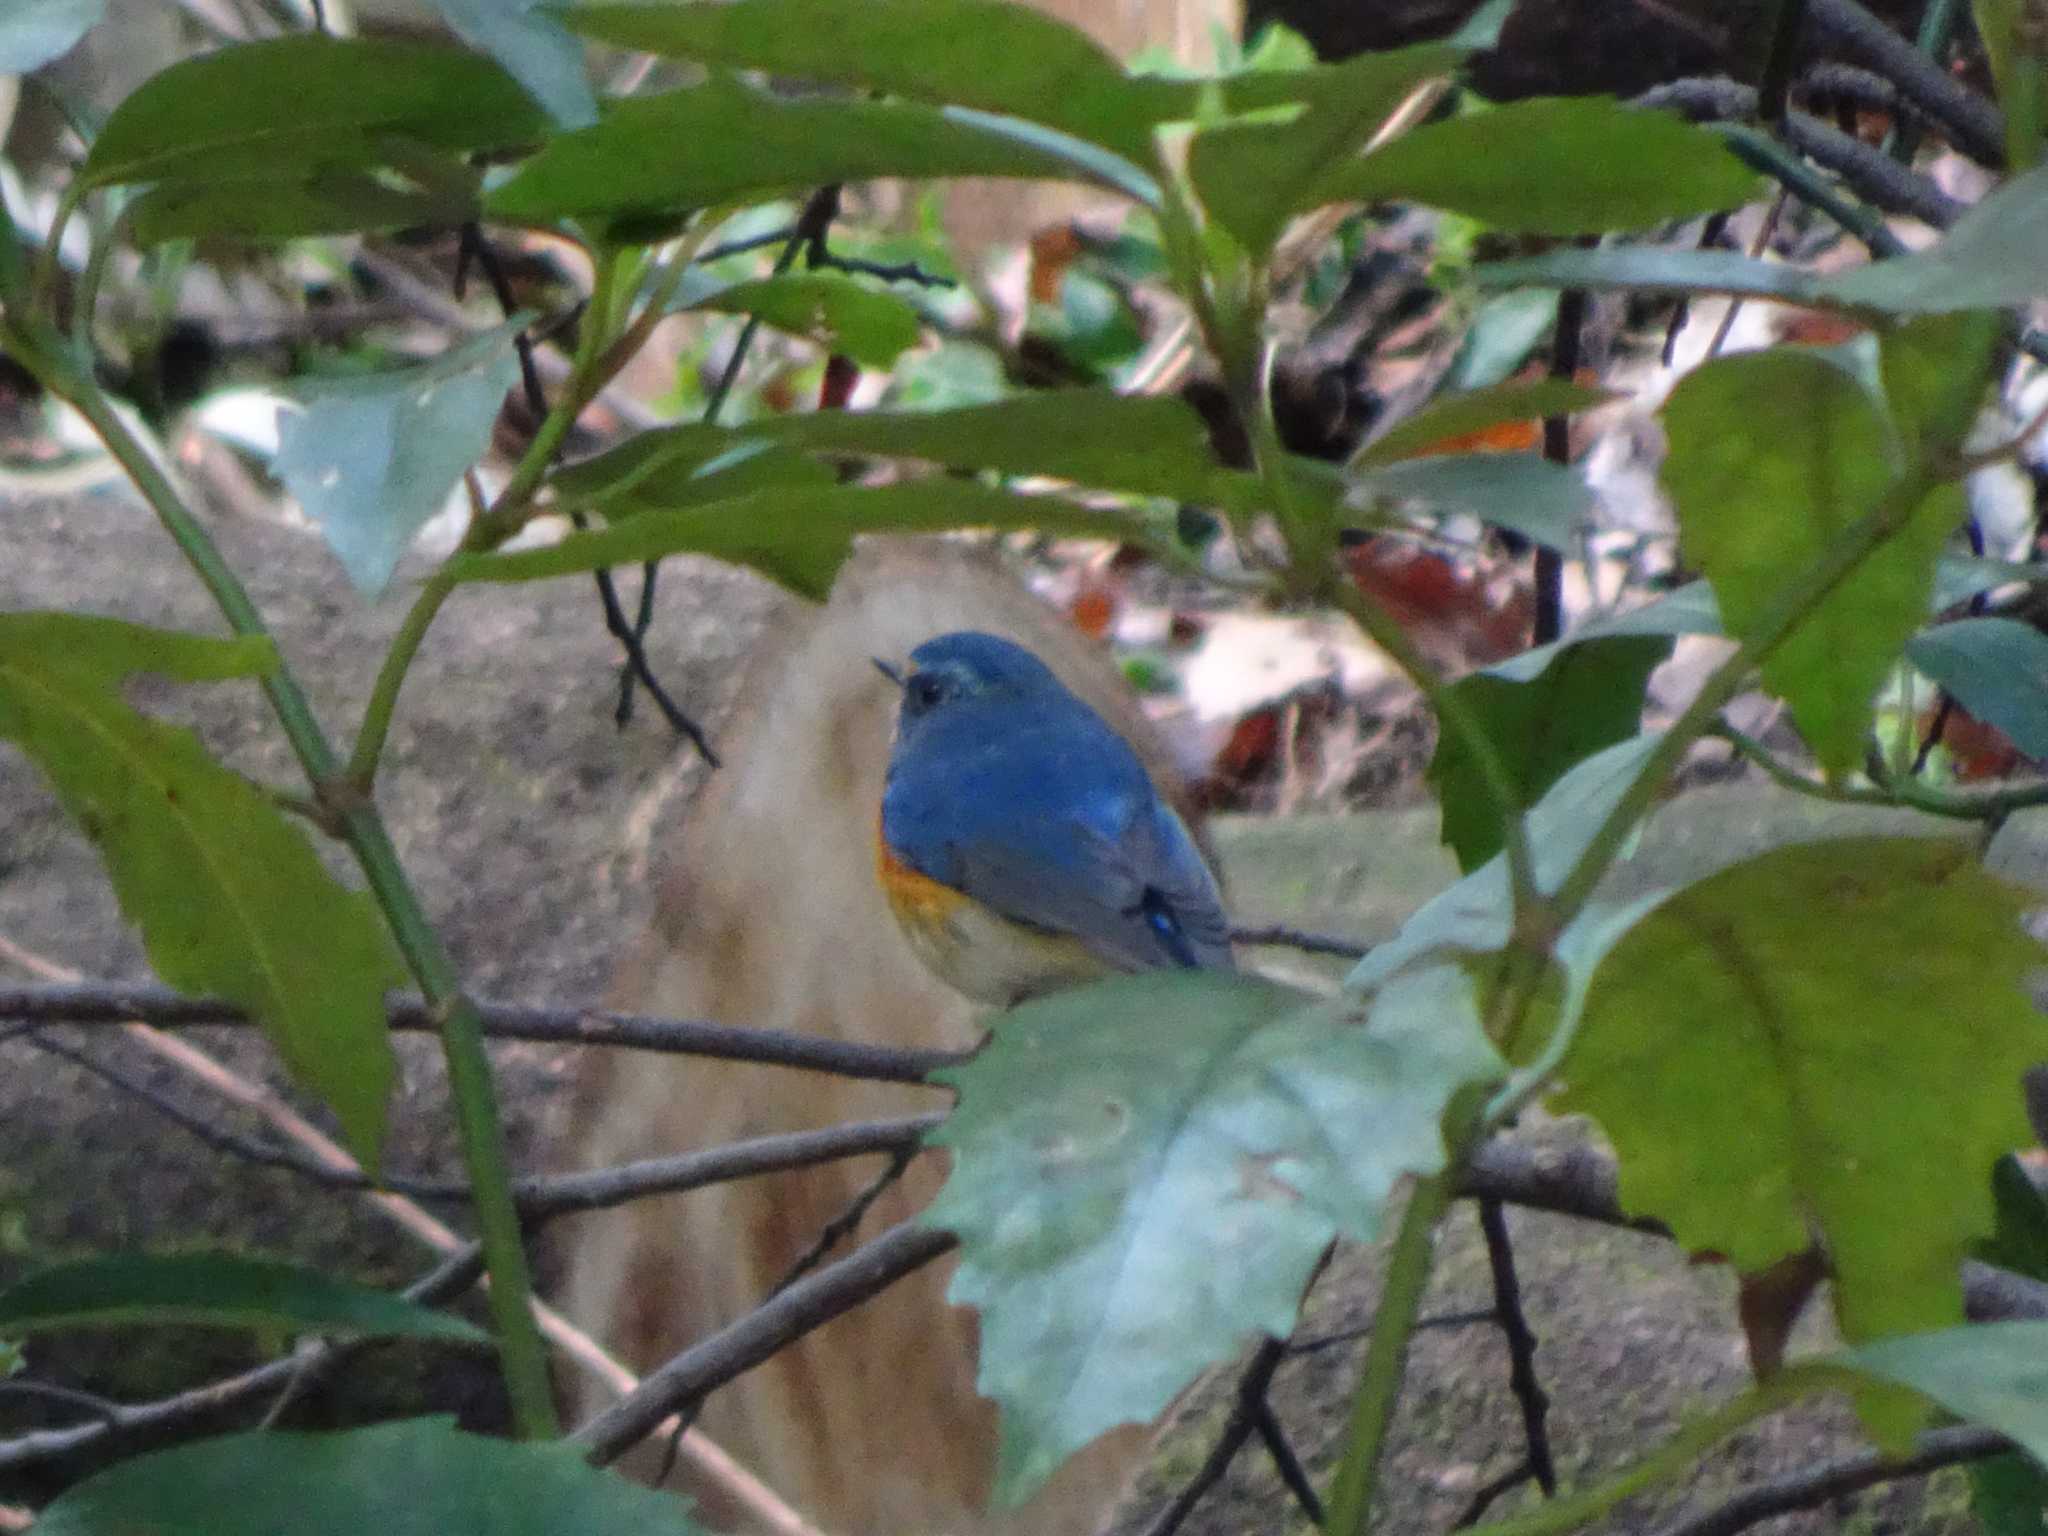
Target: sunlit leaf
{"x":215,"y":1290}
{"x":1774,"y":456}
{"x":1146,"y":1170}
{"x":723,"y":142}
{"x":1589,"y":699}
{"x":231,"y":899}
{"x":797,"y":537}
{"x":371,"y":459}
{"x":870,"y":326}
{"x":990,"y":54}
{"x":307,"y":101}
{"x":1561,"y":165}
{"x":1825,"y":1041}
{"x":418,"y":1477}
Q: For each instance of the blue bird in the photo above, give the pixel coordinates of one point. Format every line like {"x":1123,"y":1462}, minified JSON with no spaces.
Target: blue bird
{"x":1023,"y":847}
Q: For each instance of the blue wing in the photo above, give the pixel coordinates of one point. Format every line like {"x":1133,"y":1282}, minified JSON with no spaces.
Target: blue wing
{"x":1058,"y":826}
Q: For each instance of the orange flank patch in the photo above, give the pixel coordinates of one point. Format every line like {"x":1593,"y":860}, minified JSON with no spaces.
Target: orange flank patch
{"x":918,"y":899}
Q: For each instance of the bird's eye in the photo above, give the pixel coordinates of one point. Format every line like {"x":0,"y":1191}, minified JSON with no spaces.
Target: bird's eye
{"x":925,"y":690}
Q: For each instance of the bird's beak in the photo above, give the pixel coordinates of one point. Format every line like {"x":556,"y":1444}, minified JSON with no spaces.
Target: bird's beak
{"x":887,"y":671}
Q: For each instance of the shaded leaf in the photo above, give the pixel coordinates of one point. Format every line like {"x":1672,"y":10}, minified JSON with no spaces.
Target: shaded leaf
{"x":724,"y":142}
{"x":871,"y":327}
{"x":371,"y":459}
{"x":2020,"y":1240}
{"x":991,"y":54}
{"x":1540,"y":500}
{"x":535,"y":48}
{"x":215,"y":1290}
{"x":1773,"y":456}
{"x":1933,"y":373}
{"x":1589,"y":699}
{"x":418,"y":1477}
{"x":1255,"y":176}
{"x":745,"y":469}
{"x":329,"y":202}
{"x":2008,"y":1495}
{"x":231,"y":899}
{"x":1825,"y":1041}
{"x":796,"y":537}
{"x":307,"y":101}
{"x":1146,"y":1170}
{"x":33,"y":32}
{"x":1994,"y":1374}
{"x":1998,"y":671}
{"x":1561,"y":165}
{"x":1986,"y":260}
{"x":1690,"y":610}
{"x":1459,"y":415}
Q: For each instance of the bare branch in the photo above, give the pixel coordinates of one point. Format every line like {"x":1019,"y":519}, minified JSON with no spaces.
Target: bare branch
{"x":1832,"y":1479}
{"x":810,"y":1303}
{"x":88,"y":1003}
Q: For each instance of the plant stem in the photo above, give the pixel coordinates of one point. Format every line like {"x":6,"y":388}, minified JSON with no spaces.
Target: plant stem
{"x":469,"y":1072}
{"x":1674,"y":1456}
{"x":376,"y":726}
{"x":1386,"y":1357}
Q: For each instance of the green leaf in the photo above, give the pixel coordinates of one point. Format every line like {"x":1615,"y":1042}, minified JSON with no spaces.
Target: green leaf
{"x":1823,"y":1041}
{"x":306,"y":102}
{"x":1564,"y":165}
{"x":1998,"y":671}
{"x":1589,"y":699}
{"x":1543,"y":501}
{"x":328,"y":202}
{"x":1507,"y":328}
{"x":231,"y":899}
{"x":746,"y":468}
{"x":871,"y":327}
{"x":1994,"y":1374}
{"x":1690,"y":610}
{"x":2020,"y":1240}
{"x":1146,"y":1170}
{"x":535,"y":48}
{"x":215,"y":1290}
{"x":33,"y":32}
{"x":2008,"y":1495}
{"x":990,"y":54}
{"x":1148,"y":445}
{"x":1460,"y":415}
{"x":371,"y":459}
{"x":724,"y":142}
{"x":418,"y":1477}
{"x":1773,"y":456}
{"x":1933,"y":373}
{"x":796,"y":537}
{"x":1253,"y":177}
{"x":1986,"y":260}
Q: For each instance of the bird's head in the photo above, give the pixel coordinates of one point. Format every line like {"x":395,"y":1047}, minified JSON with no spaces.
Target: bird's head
{"x":966,"y":664}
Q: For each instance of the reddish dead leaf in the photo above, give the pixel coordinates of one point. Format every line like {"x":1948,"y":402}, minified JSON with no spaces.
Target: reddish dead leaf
{"x":1094,"y":607}
{"x":1976,"y":751}
{"x":1052,"y":252}
{"x":841,"y":374}
{"x":1469,"y":617}
{"x":1814,"y":328}
{"x":1501,"y":437}
{"x":1769,"y":1304}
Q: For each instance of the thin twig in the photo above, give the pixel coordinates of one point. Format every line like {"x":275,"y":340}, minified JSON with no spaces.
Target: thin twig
{"x":1237,"y":1429}
{"x":103,"y":1003}
{"x":1521,"y":1343}
{"x":1483,"y":1497}
{"x":1280,"y":936}
{"x":809,"y":1304}
{"x":1833,"y":1479}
